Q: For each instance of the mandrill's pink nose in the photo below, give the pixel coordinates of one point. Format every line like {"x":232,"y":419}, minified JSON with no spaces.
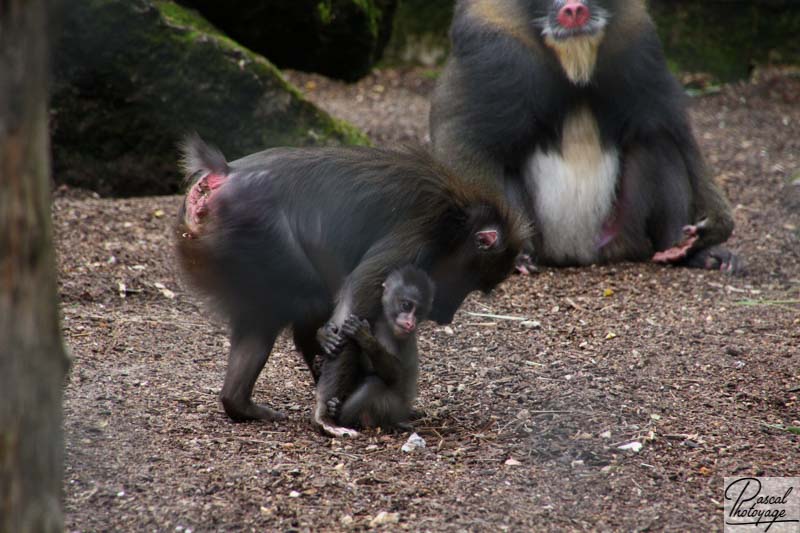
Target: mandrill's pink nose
{"x":573,"y":15}
{"x":408,"y":324}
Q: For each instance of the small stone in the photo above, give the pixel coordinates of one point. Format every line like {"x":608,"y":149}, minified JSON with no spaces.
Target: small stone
{"x":634,"y":446}
{"x":384,"y":518}
{"x":414,"y":442}
{"x":294,"y":494}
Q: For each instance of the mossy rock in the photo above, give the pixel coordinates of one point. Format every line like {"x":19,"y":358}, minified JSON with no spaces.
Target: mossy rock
{"x":420,"y":35}
{"x":337,"y":38}
{"x":728,"y":39}
{"x":132,"y":77}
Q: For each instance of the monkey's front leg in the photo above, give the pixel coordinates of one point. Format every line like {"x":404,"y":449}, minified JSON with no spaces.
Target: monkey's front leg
{"x":359,"y":331}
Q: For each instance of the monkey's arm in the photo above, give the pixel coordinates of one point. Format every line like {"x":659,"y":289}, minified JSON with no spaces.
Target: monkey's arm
{"x":385,"y":364}
{"x":361,"y":293}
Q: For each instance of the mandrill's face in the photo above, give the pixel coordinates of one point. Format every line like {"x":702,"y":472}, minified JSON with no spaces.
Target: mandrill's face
{"x":564,"y":19}
{"x":573,"y":30}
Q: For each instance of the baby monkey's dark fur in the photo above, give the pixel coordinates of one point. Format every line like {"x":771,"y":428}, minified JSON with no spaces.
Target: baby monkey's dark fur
{"x":373,"y":381}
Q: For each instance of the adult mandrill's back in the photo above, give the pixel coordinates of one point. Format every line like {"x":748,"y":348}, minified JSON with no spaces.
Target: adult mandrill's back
{"x":295,"y":237}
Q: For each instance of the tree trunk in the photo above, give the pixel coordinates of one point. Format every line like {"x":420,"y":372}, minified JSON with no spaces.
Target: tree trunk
{"x":32,"y":357}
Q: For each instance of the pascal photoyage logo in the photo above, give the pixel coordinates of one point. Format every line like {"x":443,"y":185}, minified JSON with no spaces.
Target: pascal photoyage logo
{"x":761,"y":504}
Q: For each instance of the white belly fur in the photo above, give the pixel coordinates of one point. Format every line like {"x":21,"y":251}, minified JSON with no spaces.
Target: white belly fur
{"x":573,"y":191}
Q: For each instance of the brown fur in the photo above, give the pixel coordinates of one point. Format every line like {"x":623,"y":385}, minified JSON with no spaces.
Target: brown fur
{"x":505,"y":16}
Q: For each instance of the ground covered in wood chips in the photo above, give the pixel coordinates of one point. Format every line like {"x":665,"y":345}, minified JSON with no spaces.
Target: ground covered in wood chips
{"x":525,"y":418}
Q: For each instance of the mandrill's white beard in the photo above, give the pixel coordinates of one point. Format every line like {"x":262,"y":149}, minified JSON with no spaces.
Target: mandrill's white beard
{"x":577,"y":55}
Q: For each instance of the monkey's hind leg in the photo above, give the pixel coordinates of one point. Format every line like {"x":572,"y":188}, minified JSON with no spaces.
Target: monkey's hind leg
{"x":374,"y":404}
{"x":336,"y":378}
{"x":305,"y":340}
{"x":327,"y":425}
{"x":249,"y":353}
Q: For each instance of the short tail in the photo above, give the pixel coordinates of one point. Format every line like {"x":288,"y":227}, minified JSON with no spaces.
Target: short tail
{"x":206,"y":171}
{"x":199,"y":159}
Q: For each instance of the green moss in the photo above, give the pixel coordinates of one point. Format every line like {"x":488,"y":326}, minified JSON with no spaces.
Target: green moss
{"x":158,"y":71}
{"x":197,"y":28}
{"x":181,"y":16}
{"x":727,"y":41}
{"x":372,"y":13}
{"x":325,"y":11}
{"x":420,"y":32}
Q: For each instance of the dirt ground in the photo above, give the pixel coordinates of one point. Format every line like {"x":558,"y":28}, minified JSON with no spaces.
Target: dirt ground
{"x":524,"y":419}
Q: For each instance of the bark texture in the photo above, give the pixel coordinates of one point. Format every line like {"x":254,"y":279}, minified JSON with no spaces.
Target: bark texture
{"x":32,"y":357}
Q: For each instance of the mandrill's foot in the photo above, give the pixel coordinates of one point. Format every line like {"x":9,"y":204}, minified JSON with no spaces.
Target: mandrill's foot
{"x":717,"y":258}
{"x":524,"y":265}
{"x":713,"y":258}
{"x":338,"y":431}
{"x":693,"y":253}
{"x":680,"y":251}
{"x":327,"y":426}
{"x":247,"y":410}
{"x":333,"y":406}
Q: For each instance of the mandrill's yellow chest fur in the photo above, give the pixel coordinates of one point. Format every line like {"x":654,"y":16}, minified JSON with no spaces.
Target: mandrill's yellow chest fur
{"x":577,"y":55}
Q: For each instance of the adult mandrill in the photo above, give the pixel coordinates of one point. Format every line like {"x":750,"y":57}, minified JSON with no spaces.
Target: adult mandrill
{"x":568,"y":105}
{"x":282,"y":237}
